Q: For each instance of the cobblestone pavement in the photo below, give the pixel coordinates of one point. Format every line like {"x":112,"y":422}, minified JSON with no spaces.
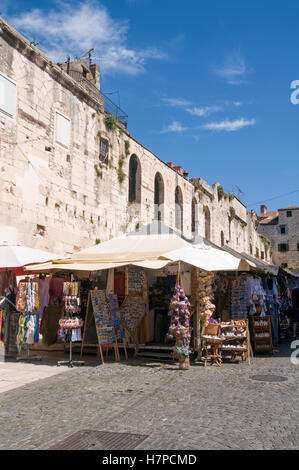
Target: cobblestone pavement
{"x":203,"y":408}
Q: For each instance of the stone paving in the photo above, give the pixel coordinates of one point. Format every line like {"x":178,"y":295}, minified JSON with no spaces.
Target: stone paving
{"x":203,"y":408}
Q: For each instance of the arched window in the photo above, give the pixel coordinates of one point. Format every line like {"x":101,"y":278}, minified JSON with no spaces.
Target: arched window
{"x":134,"y":179}
{"x":158,"y":197}
{"x":207,"y":223}
{"x":222,"y":238}
{"x":194,"y":219}
{"x":179,"y":209}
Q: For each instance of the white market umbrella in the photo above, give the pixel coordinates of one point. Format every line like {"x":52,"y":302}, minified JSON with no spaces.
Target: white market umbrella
{"x":208,"y":258}
{"x":16,"y":255}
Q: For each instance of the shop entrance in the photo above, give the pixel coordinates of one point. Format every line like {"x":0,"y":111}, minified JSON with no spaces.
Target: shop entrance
{"x":160,"y":293}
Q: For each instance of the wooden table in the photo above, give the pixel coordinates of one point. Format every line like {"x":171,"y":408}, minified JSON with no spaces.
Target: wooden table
{"x":211,"y":351}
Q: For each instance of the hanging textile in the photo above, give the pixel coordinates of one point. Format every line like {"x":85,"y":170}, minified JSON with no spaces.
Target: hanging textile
{"x":27,"y":331}
{"x":3,"y":326}
{"x":28,"y":297}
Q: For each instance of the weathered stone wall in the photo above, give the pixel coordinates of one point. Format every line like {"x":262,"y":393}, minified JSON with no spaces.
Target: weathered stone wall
{"x":290,"y":238}
{"x":63,"y":199}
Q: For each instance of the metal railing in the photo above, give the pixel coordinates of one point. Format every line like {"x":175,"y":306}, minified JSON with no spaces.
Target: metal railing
{"x":109,"y":106}
{"x":112,"y":108}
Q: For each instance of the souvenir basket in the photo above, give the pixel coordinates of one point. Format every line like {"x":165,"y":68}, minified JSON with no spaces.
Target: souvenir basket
{"x":212,"y":329}
{"x":179,"y":332}
{"x":70,"y":323}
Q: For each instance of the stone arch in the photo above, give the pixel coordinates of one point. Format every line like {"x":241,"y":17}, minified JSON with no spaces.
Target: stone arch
{"x":207,"y":223}
{"x":194,"y":215}
{"x":222,"y":238}
{"x":158,"y":197}
{"x":134,"y":179}
{"x":179,"y":223}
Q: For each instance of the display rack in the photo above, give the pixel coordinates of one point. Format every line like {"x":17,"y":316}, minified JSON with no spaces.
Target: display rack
{"x":70,"y":327}
{"x":235,"y":336}
{"x":262,"y":334}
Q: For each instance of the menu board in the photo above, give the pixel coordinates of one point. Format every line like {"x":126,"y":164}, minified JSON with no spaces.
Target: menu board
{"x":103,"y":320}
{"x":262,"y":334}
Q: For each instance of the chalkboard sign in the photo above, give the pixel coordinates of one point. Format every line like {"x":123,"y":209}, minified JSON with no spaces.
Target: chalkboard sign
{"x":262,"y":334}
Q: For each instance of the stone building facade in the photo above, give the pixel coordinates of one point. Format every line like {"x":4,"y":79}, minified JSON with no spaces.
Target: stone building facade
{"x":282,"y":228}
{"x":72,"y":175}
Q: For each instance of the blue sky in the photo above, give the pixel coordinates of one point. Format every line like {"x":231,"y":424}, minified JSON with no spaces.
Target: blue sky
{"x":205,"y":83}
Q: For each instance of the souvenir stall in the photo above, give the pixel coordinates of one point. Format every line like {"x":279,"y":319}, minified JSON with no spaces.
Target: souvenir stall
{"x":163,"y":296}
{"x":8,"y":315}
{"x":49,"y":310}
{"x":286,"y":281}
{"x":13,"y":258}
{"x":247,"y":295}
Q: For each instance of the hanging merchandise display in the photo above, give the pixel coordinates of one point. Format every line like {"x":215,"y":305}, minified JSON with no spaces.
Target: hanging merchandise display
{"x":114,"y":309}
{"x":115,"y":315}
{"x":179,"y":329}
{"x":202,"y":291}
{"x":3,"y":325}
{"x":131,"y":311}
{"x":104,"y":324}
{"x":99,"y":310}
{"x":27,"y":303}
{"x":136,"y":280}
{"x":247,"y":297}
{"x":28,"y":297}
{"x":133,"y":308}
{"x":70,"y":325}
{"x":239,"y":298}
{"x":28,"y":331}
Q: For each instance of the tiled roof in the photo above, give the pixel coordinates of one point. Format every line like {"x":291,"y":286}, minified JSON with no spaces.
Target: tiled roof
{"x":289,"y":208}
{"x":269,"y":218}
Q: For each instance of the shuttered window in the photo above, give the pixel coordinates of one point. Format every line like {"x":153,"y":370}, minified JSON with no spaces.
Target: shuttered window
{"x":7,"y":96}
{"x":62,"y":130}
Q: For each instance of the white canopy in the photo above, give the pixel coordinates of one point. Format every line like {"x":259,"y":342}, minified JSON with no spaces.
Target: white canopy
{"x":68,"y":265}
{"x":142,"y":248}
{"x":15,"y":256}
{"x":129,"y":248}
{"x":208,"y":258}
{"x":152,"y":251}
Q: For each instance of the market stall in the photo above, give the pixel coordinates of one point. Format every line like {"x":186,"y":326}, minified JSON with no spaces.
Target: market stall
{"x":13,"y":258}
{"x":145,"y":269}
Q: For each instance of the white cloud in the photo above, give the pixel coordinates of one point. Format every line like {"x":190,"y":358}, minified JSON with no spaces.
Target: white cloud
{"x":73,"y":28}
{"x":176,"y":102}
{"x":229,"y":126}
{"x":203,"y":111}
{"x":234,"y":71}
{"x":175,"y":126}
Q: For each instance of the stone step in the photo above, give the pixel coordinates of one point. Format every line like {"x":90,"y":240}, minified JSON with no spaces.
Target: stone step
{"x":153,"y":355}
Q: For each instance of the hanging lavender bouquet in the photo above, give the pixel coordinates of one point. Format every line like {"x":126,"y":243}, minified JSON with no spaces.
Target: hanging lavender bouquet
{"x":180,"y":321}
